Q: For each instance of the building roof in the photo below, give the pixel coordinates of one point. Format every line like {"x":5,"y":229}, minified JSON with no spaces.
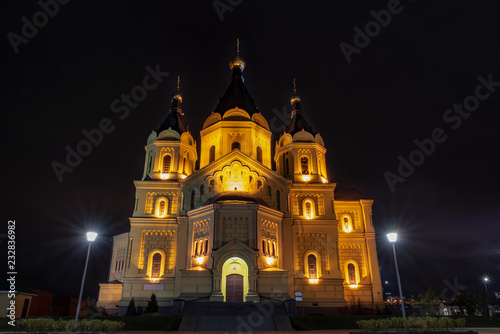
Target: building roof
{"x":174,"y":118}
{"x":238,"y":196}
{"x":348,"y":194}
{"x":236,"y":95}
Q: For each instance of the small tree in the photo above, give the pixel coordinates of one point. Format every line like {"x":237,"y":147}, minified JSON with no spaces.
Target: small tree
{"x":152,"y":304}
{"x":430,"y":301}
{"x":131,"y":311}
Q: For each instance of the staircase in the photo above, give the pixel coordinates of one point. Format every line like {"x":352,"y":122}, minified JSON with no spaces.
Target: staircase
{"x":241,"y":317}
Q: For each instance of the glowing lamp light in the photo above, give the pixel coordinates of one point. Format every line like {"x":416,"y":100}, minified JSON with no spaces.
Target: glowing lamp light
{"x":324,"y":179}
{"x":486,"y":279}
{"x":269,"y":260}
{"x":392,"y":237}
{"x":165,"y":176}
{"x":183,"y":176}
{"x":353,"y":286}
{"x":154,"y":280}
{"x":199,"y":260}
{"x":91,"y":236}
{"x":313,"y":281}
{"x":306,"y":177}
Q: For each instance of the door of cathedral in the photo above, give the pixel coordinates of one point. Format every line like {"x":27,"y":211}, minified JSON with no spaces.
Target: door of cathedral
{"x":234,"y":288}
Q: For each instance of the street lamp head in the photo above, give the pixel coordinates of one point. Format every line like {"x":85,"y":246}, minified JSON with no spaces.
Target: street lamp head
{"x":91,"y":236}
{"x":486,"y":279}
{"x":392,"y":237}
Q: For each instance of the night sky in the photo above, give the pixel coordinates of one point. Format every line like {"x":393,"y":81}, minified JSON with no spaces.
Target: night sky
{"x":396,"y":88}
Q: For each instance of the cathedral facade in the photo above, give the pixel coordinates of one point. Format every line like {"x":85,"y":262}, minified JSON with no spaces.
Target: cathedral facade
{"x":224,"y":223}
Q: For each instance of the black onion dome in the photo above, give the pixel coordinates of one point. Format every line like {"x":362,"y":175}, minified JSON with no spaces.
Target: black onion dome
{"x":241,"y":196}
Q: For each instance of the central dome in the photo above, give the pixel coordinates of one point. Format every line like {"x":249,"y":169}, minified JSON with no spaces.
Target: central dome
{"x":235,"y":196}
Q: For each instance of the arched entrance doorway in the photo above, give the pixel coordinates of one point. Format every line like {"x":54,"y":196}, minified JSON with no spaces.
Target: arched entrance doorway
{"x":234,"y":280}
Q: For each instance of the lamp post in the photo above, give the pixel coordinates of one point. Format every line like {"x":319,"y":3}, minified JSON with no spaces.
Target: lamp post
{"x":392,"y":238}
{"x":90,"y":237}
{"x":486,"y":279}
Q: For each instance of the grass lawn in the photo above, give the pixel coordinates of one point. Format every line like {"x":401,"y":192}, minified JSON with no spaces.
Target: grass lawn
{"x":137,"y":323}
{"x":349,"y":321}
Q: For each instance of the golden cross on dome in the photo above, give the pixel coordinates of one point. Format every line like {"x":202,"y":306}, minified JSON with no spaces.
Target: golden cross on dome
{"x":237,"y":47}
{"x":294,"y":87}
{"x":178,"y":81}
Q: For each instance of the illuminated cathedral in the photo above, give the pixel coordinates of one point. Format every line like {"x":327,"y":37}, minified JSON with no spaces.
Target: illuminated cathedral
{"x":233,"y":222}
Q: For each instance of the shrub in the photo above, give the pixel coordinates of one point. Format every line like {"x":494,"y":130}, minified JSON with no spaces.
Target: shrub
{"x":45,"y":325}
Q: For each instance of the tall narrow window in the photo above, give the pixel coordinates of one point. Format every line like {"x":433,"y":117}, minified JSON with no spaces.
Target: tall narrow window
{"x":259,"y":154}
{"x":156,"y":266}
{"x":202,"y":190}
{"x":269,"y":191}
{"x":264,"y":247}
{"x":235,"y":145}
{"x":259,"y":183}
{"x":308,"y":211}
{"x":166,"y":163}
{"x":287,"y":168}
{"x":278,"y":200}
{"x":346,"y":224}
{"x":312,"y":266}
{"x":192,"y":199}
{"x":304,"y":165}
{"x":274,"y":248}
{"x":161,"y":209}
{"x":206,"y":246}
{"x":351,"y":274}
{"x":195,"y":248}
{"x":211,"y":154}
{"x":184,"y":166}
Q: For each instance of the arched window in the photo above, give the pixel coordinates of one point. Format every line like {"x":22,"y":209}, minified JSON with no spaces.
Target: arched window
{"x":346,"y":223}
{"x":206,"y":246}
{"x":351,"y":274}
{"x":211,"y":154}
{"x":259,"y":184}
{"x":235,"y":145}
{"x":287,"y":168}
{"x":274,"y":249}
{"x":161,"y":207}
{"x":259,"y":154}
{"x":192,"y":198}
{"x":184,"y":166}
{"x":269,"y":191}
{"x":304,"y":165}
{"x":308,"y":208}
{"x":202,"y":247}
{"x":166,"y":163}
{"x":445,"y":311}
{"x":278,"y":200}
{"x":264,"y":247}
{"x":156,"y":266}
{"x":312,"y":266}
{"x":195,"y":248}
